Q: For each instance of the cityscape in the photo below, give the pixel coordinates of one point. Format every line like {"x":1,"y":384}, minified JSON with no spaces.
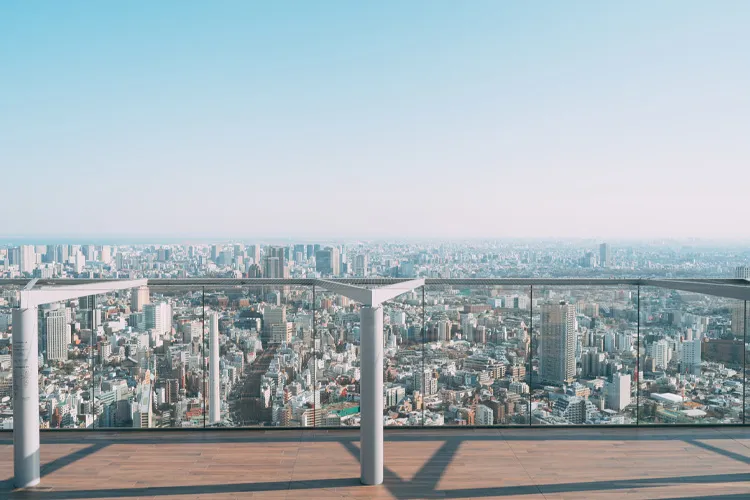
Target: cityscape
{"x":457,"y":352}
{"x":421,"y":249}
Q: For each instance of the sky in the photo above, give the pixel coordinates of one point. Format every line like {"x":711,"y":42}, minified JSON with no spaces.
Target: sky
{"x":388,"y":119}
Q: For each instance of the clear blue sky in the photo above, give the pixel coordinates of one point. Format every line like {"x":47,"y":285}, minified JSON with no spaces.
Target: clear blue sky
{"x":389,"y":118}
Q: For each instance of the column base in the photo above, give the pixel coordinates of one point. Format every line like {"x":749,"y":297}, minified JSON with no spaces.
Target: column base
{"x":30,"y":484}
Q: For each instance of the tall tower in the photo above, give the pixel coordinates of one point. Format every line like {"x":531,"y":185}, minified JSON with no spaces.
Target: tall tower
{"x":158,"y":317}
{"x":690,"y":356}
{"x":604,"y":255}
{"x":139,"y":298}
{"x":335,"y":261}
{"x":274,"y":263}
{"x":661,"y":353}
{"x":57,"y":334}
{"x":618,"y":392}
{"x":360,"y":265}
{"x":253,"y":252}
{"x":28,"y":259}
{"x":214,"y":405}
{"x":327,"y":261}
{"x":272,"y":316}
{"x":557,"y":346}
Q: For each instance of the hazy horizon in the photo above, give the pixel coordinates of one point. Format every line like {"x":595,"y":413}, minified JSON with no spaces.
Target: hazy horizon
{"x":324,"y":239}
{"x":418,"y":120}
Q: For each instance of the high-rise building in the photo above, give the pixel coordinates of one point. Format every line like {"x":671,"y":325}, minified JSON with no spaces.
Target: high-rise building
{"x":742,"y":273}
{"x":105,"y":350}
{"x":618,"y":392}
{"x":50,"y":255}
{"x":270,"y":267}
{"x":427,"y":384}
{"x":253,"y":252}
{"x":106,"y":254}
{"x":139,"y":298}
{"x":740,"y":318}
{"x":690,"y":356}
{"x":214,"y":252}
{"x":323,"y":262}
{"x":142,"y":407}
{"x":62,"y":253}
{"x":484,"y":415}
{"x":394,"y":396}
{"x":282,"y":333}
{"x":336,"y":261}
{"x":327,"y":261}
{"x":56,"y":333}
{"x":79,"y":262}
{"x":360,"y":265}
{"x":661,"y":353}
{"x":443,"y":331}
{"x":274,"y":263}
{"x":89,"y":251}
{"x":480,"y":335}
{"x":27,"y":259}
{"x":571,"y":408}
{"x":272,"y":316}
{"x":158,"y":317}
{"x":214,"y":405}
{"x":557,"y":345}
{"x":14,"y":256}
{"x":254,"y":271}
{"x":604,"y":255}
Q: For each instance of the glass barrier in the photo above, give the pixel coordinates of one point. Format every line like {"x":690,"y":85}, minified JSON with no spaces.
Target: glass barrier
{"x":337,"y":368}
{"x":260,"y":357}
{"x":691,"y":358}
{"x":67,"y":337}
{"x":403,"y":359}
{"x":290,"y":356}
{"x":584,"y":352}
{"x":476,"y":355}
{"x":147,"y":357}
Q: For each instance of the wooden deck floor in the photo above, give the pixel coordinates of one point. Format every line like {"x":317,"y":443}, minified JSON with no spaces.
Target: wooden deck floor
{"x":530,"y":464}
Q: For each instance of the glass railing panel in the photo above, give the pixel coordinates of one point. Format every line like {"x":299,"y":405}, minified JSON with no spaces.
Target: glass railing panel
{"x":8,"y":300}
{"x":691,"y":358}
{"x":584,"y":348}
{"x":67,"y":338}
{"x":476,"y":362}
{"x":337,"y":368}
{"x":147,"y":357}
{"x":403,"y":359}
{"x":262,"y":359}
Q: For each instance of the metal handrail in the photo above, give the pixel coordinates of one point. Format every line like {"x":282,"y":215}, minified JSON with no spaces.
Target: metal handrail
{"x":728,"y":288}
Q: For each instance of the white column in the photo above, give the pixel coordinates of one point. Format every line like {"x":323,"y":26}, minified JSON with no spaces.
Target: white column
{"x":25,"y":398}
{"x":371,"y":395}
{"x":214,"y":405}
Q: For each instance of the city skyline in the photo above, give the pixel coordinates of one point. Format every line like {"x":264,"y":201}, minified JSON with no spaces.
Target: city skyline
{"x":392,"y":120}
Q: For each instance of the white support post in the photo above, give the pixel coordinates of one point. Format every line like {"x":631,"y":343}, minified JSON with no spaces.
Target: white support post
{"x":371,"y":395}
{"x":25,"y":398}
